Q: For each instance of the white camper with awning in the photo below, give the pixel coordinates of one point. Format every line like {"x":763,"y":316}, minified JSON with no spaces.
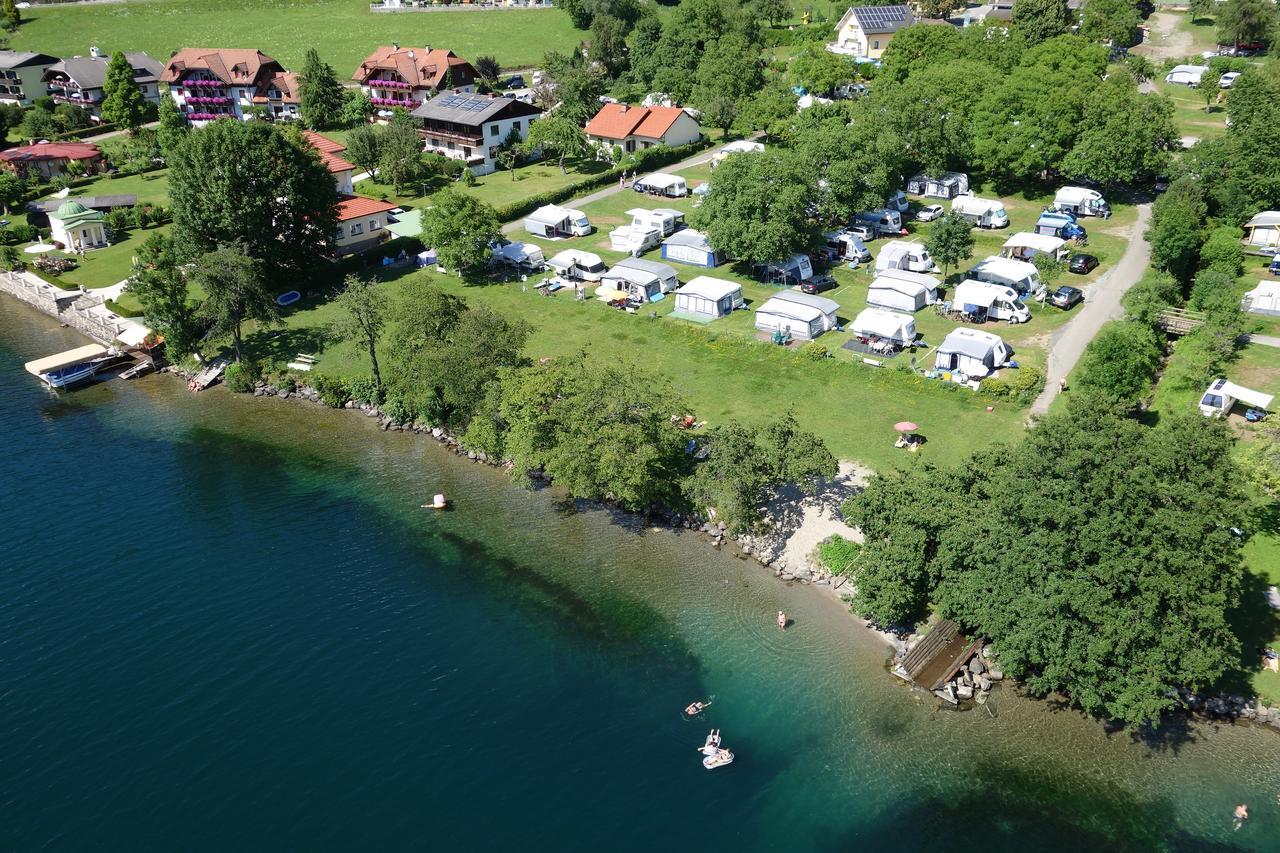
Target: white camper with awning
{"x":668,"y":220}
{"x":900,"y":290}
{"x":577,"y":265}
{"x":639,"y":279}
{"x":660,"y":183}
{"x":971,"y":353}
{"x":552,"y":220}
{"x":706,"y":298}
{"x":904,"y":255}
{"x":987,"y":301}
{"x":1222,"y":395}
{"x":899,"y":329}
{"x":1025,"y":245}
{"x":524,"y":256}
{"x":983,"y":212}
{"x":1020,"y":275}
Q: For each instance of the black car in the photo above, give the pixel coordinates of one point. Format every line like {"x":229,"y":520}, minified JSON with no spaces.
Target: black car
{"x":513,"y":82}
{"x":1065,"y":297}
{"x":1082,"y":264}
{"x":818,"y":284}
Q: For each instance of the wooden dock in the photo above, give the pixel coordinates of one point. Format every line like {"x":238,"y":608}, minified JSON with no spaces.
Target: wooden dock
{"x":210,"y":374}
{"x":1179,"y":321}
{"x":934,"y":660}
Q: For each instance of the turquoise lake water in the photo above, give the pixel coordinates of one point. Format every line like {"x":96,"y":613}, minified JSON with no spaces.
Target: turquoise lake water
{"x":225,"y":624}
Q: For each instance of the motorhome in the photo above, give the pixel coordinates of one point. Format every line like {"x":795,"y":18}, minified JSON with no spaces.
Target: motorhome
{"x":634,"y":240}
{"x":792,"y":271}
{"x":1222,"y":396}
{"x":846,"y":246}
{"x":982,"y":212}
{"x":577,"y":265}
{"x":1062,"y":225}
{"x":873,"y":323}
{"x":947,"y":185}
{"x":660,"y":183}
{"x":882,"y":221}
{"x":551,"y":220}
{"x":899,"y":290}
{"x":1020,"y":275}
{"x":904,"y":255}
{"x":971,"y":354}
{"x":668,"y":220}
{"x":1082,"y":202}
{"x":1024,"y":246}
{"x":983,"y":300}
{"x":523,"y":256}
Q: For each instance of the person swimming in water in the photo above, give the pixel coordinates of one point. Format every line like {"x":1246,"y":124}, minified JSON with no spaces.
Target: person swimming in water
{"x":1241,"y":815}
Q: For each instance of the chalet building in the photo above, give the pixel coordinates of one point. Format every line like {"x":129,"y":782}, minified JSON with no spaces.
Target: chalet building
{"x":22,"y":76}
{"x":473,"y":128}
{"x":79,"y":80}
{"x":408,"y":77}
{"x":209,"y":84}
{"x":635,"y":128}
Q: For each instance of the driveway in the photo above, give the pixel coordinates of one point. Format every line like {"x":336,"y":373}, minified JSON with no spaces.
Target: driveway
{"x":613,"y":189}
{"x":1102,"y":305}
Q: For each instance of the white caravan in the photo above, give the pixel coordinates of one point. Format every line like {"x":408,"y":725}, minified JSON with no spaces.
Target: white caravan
{"x":982,"y":212}
{"x":1081,"y":201}
{"x":904,"y":255}
{"x":1020,"y":275}
{"x":971,"y":353}
{"x":1222,"y":395}
{"x":666,"y":219}
{"x":577,"y":265}
{"x":898,"y":329}
{"x":633,"y":240}
{"x":986,"y":301}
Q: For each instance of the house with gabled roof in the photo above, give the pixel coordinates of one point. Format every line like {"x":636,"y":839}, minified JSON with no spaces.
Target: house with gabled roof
{"x":210,"y":84}
{"x":633,"y":128}
{"x":407,"y":77}
{"x":22,"y":76}
{"x":865,"y":31}
{"x":473,"y":128}
{"x":78,"y":80}
{"x":330,"y":152}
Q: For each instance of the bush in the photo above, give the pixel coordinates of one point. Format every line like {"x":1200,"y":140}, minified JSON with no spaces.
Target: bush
{"x":240,"y":378}
{"x":838,"y":554}
{"x":1023,"y":383}
{"x":815,"y":351}
{"x":363,"y":391}
{"x":1222,"y":251}
{"x":53,"y":265}
{"x":398,"y":410}
{"x":1155,"y":292}
{"x":1121,"y":361}
{"x":333,"y":391}
{"x":283,"y":381}
{"x":20,"y":233}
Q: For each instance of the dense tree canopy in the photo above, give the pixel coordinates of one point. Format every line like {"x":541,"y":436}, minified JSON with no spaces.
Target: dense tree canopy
{"x":461,"y":229}
{"x":758,"y":207}
{"x":1041,"y":20}
{"x":1110,"y":21}
{"x":321,"y":95}
{"x":1177,"y":228}
{"x":1124,"y":136}
{"x":1097,"y":556}
{"x":246,"y":183}
{"x":123,"y":103}
{"x":159,"y":284}
{"x":236,"y":290}
{"x":1120,"y":362}
{"x":1246,"y":21}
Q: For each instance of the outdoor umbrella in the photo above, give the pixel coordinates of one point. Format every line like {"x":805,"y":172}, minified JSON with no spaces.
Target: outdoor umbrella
{"x":905,"y":426}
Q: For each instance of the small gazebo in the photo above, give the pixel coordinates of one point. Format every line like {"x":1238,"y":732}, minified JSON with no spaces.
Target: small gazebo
{"x":78,"y":227}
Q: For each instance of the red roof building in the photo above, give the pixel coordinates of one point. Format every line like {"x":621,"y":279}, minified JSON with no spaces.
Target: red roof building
{"x":209,"y":84}
{"x":50,"y":159}
{"x":634,"y":128}
{"x":407,"y":77}
{"x":330,"y":152}
{"x":362,"y":223}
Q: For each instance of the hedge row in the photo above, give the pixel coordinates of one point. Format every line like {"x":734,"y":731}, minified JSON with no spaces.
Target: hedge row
{"x":650,"y":158}
{"x":82,"y":132}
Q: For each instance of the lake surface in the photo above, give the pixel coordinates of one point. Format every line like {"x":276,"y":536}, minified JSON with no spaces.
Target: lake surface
{"x":225,"y":624}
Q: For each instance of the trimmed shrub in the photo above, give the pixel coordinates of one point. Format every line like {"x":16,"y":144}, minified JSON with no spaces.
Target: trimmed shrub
{"x":815,"y":351}
{"x":1023,"y":383}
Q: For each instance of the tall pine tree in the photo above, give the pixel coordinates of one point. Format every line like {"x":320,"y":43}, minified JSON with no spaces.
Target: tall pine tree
{"x":123,"y":103}
{"x":321,"y":94}
{"x":173,"y":127}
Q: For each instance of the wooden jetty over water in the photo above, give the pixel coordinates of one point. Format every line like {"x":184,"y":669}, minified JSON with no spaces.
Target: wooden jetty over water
{"x":933,"y":661}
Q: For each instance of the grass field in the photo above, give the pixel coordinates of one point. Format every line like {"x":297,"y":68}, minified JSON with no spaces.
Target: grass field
{"x":343,"y":31}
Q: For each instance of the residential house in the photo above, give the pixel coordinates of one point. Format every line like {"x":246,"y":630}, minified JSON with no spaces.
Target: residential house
{"x":22,"y":76}
{"x":407,"y":77}
{"x":473,"y":128}
{"x":362,"y":224}
{"x":79,"y":80}
{"x":634,"y":128}
{"x":330,"y":152}
{"x":209,"y":84}
{"x":49,"y":159}
{"x":865,"y":31}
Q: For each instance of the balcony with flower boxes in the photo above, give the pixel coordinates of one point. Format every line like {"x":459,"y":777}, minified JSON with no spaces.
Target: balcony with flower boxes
{"x":406,"y":103}
{"x":389,"y":84}
{"x":207,"y":116}
{"x":209,"y":100}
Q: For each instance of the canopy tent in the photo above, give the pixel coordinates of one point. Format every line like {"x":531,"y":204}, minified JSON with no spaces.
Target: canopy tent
{"x":72,"y":357}
{"x":1263,"y":299}
{"x":1024,"y":244}
{"x":1246,"y":395}
{"x":407,"y":224}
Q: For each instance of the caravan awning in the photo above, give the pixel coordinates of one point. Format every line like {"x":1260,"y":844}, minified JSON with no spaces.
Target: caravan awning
{"x":1248,"y":395}
{"x":1038,"y":242}
{"x":407,"y":224}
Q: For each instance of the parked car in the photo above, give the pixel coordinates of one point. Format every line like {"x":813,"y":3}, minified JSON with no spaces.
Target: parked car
{"x":1274,"y":267}
{"x":515,"y":81}
{"x":1229,"y":79}
{"x":1064,"y":297}
{"x":1082,"y":264}
{"x":930,"y":212}
{"x":862,"y":232}
{"x":819,"y":284}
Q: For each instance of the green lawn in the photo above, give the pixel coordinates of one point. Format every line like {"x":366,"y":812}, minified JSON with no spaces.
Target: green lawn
{"x":343,"y":31}
{"x":497,"y":189}
{"x":1189,"y":114}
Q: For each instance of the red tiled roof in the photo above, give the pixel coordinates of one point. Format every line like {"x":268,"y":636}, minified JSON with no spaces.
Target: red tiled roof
{"x":356,"y":206}
{"x":419,"y":68}
{"x":286,"y":82}
{"x":618,"y":121}
{"x":52,"y":151}
{"x":329,"y":150}
{"x":238,"y":67}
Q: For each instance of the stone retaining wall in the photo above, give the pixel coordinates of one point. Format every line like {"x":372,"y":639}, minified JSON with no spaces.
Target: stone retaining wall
{"x":67,"y":306}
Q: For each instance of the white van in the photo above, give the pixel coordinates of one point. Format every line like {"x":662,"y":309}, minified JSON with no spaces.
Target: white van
{"x":881,"y":221}
{"x":666,"y":219}
{"x":1020,"y":275}
{"x":634,"y":240}
{"x":982,"y":212}
{"x":1082,"y":202}
{"x":986,"y":301}
{"x":904,"y":255}
{"x":847,"y":246}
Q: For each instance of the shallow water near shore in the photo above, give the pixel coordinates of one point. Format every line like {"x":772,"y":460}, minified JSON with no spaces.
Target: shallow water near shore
{"x":226,"y":624}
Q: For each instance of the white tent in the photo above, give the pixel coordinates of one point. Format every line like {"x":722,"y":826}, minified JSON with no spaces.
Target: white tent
{"x":1025,"y":245}
{"x":708,"y":298}
{"x":577,"y":264}
{"x":802,"y":322}
{"x":638,"y":284}
{"x":899,"y":294}
{"x":664,"y":273}
{"x":828,"y":307}
{"x":885,"y":325}
{"x":971,"y":352}
{"x":1186,"y":75}
{"x":1263,"y":229}
{"x":904,"y":255}
{"x":948,"y":185}
{"x":740,"y":146}
{"x":1020,"y":275}
{"x":1263,"y":299}
{"x":660,"y":183}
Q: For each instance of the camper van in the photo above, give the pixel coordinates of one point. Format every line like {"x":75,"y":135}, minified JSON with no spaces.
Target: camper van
{"x":1222,"y":395}
{"x":872,"y":323}
{"x":947,"y":185}
{"x":846,"y":246}
{"x":1062,"y":225}
{"x":982,"y":212}
{"x":1020,"y":275}
{"x":577,"y":265}
{"x":1024,"y":246}
{"x":792,"y":271}
{"x":554,"y":221}
{"x":741,"y":146}
{"x":899,"y":290}
{"x":903,"y":255}
{"x":971,"y":353}
{"x":660,"y":183}
{"x":1081,"y":202}
{"x":523,"y":256}
{"x":881,"y":221}
{"x":634,"y":240}
{"x":986,"y":301}
{"x":667,"y":220}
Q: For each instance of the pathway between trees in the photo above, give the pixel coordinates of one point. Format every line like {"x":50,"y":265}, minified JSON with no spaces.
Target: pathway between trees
{"x":1263,"y":340}
{"x":613,"y":189}
{"x":1103,"y":304}
{"x":111,"y":134}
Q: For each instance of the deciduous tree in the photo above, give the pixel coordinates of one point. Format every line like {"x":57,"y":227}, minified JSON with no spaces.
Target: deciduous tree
{"x":488,"y":70}
{"x":173,"y":127}
{"x":159,"y":284}
{"x":950,"y":241}
{"x":461,"y":230}
{"x":1041,"y":20}
{"x":819,"y":70}
{"x":1120,"y":363}
{"x":1177,"y":227}
{"x":364,"y":147}
{"x":362,"y":314}
{"x":1111,"y":22}
{"x":236,"y":291}
{"x":757,"y":209}
{"x":400,"y":160}
{"x":556,"y":135}
{"x":11,"y":15}
{"x":12,"y":190}
{"x":1124,"y":136}
{"x":1246,"y":21}
{"x":774,"y":11}
{"x":728,"y":74}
